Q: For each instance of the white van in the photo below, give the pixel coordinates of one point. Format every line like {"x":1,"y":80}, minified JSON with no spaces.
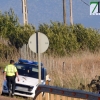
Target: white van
{"x":28,"y":74}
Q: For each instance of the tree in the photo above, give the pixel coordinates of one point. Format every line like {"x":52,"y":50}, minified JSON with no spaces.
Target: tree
{"x":12,"y":30}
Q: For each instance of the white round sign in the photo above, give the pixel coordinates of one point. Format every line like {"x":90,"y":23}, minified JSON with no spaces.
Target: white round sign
{"x":38,"y":39}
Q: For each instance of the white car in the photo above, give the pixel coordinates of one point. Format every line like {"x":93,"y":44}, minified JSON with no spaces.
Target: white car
{"x":28,"y":75}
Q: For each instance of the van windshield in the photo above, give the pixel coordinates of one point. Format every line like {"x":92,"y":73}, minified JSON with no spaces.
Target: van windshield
{"x":29,"y":70}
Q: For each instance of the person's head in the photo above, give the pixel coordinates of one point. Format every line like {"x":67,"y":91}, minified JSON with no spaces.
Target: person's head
{"x":11,"y":61}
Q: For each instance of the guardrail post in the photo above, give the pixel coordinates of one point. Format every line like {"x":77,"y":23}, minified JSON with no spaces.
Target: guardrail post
{"x":69,"y":98}
{"x":39,"y":97}
{"x":46,"y":96}
{"x":52,"y":97}
{"x":63,"y":98}
{"x":57,"y":97}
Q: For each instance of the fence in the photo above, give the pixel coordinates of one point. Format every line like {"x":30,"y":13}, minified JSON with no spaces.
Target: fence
{"x":57,"y":93}
{"x":70,"y":71}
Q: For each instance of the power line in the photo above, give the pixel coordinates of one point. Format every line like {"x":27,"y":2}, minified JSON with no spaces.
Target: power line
{"x":85,"y":3}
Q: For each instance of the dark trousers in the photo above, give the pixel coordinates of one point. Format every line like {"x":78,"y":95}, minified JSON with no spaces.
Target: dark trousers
{"x":11,"y":81}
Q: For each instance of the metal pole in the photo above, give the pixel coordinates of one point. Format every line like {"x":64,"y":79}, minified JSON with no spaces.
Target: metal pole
{"x":25,"y":12}
{"x":64,"y":11}
{"x":71,"y":14}
{"x":38,"y":37}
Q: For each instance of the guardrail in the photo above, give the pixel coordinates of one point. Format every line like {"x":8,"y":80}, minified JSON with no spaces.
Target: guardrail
{"x":46,"y":92}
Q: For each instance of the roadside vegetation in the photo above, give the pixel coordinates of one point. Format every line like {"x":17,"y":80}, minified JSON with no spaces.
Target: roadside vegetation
{"x":64,"y":39}
{"x":76,"y":72}
{"x":77,"y":46}
{"x":12,"y":34}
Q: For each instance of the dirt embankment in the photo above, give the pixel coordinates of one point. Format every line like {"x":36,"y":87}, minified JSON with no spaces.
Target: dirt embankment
{"x":7,"y":98}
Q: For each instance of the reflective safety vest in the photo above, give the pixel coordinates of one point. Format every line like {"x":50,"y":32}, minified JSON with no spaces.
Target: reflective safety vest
{"x":10,"y":70}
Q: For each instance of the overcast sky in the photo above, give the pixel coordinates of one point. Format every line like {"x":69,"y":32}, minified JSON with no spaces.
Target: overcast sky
{"x":44,"y":11}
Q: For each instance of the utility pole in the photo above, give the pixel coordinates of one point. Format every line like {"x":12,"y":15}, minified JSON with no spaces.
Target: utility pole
{"x":71,"y":13}
{"x":64,"y":11}
{"x":25,"y":12}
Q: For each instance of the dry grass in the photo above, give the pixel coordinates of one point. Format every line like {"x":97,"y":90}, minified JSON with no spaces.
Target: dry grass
{"x":71,"y":71}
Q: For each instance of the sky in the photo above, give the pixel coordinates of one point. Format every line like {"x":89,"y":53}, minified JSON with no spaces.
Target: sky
{"x":44,"y":11}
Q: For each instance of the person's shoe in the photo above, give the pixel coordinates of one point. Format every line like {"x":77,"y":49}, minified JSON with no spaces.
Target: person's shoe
{"x":9,"y":93}
{"x":12,"y":95}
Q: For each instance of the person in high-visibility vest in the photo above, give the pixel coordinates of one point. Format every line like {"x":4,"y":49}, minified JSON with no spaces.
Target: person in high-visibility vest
{"x":10,"y":72}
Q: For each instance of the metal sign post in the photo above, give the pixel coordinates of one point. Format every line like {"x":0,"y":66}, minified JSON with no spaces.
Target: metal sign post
{"x":39,"y":55}
{"x":38,"y":43}
{"x":39,"y":66}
